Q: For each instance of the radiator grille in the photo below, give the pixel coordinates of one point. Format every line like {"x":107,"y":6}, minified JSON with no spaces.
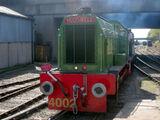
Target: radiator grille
{"x":80,"y":43}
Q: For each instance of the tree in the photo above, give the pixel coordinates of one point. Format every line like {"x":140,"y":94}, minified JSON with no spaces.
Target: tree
{"x":154,"y":34}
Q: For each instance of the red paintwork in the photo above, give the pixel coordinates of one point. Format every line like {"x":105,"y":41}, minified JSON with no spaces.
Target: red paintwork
{"x":46,"y":67}
{"x":120,"y":79}
{"x":129,"y":70}
{"x":93,"y":103}
{"x":80,"y":19}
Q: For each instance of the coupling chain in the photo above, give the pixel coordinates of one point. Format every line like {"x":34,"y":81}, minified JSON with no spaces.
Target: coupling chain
{"x":75,"y":97}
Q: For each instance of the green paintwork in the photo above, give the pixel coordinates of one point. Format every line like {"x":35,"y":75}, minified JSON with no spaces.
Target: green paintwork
{"x":111,"y":47}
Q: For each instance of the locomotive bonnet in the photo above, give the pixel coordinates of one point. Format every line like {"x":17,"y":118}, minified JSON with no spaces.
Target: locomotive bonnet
{"x":93,"y":59}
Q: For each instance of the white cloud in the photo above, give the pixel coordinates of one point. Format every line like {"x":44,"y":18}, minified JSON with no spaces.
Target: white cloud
{"x":140,"y":33}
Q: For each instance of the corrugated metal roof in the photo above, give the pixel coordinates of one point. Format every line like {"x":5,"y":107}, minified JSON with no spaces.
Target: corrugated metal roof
{"x":7,"y":11}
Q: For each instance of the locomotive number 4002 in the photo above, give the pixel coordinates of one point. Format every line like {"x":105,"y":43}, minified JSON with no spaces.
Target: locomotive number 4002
{"x":58,"y":102}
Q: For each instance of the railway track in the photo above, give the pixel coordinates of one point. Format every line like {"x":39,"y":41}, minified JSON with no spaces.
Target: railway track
{"x":27,"y":72}
{"x":18,"y":99}
{"x":150,"y":51}
{"x":19,"y":82}
{"x":154,"y":50}
{"x":149,"y":58}
{"x":148,"y":65}
{"x":20,"y":107}
{"x":68,"y":115}
{"x":156,"y":56}
{"x":148,"y":75}
{"x":26,"y":112}
{"x":18,"y":91}
{"x":14,"y":88}
{"x":58,"y":115}
{"x":148,"y":70}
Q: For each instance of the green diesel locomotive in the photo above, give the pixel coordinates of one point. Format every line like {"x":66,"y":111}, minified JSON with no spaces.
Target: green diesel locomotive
{"x":93,"y":58}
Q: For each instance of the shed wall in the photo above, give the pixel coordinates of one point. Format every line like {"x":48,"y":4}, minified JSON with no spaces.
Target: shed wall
{"x":15,"y":41}
{"x":15,"y":53}
{"x":14,"y":29}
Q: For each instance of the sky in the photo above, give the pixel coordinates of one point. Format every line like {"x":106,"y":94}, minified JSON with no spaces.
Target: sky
{"x":140,"y":33}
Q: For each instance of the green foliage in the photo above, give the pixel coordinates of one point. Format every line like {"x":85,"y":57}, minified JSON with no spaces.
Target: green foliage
{"x":154,"y":34}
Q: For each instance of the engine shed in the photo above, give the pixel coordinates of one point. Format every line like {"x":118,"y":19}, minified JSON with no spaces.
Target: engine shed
{"x":16,"y":38}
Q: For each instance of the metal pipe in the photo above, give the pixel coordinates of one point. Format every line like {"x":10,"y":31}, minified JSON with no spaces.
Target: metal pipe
{"x":65,"y":94}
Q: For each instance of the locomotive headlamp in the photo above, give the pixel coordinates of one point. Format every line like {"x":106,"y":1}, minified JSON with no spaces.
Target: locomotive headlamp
{"x":47,"y":88}
{"x":84,"y":67}
{"x":99,"y":90}
{"x":76,"y":68}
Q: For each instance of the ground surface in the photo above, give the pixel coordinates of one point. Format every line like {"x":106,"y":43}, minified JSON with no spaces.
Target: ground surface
{"x":139,"y":97}
{"x":28,"y":72}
